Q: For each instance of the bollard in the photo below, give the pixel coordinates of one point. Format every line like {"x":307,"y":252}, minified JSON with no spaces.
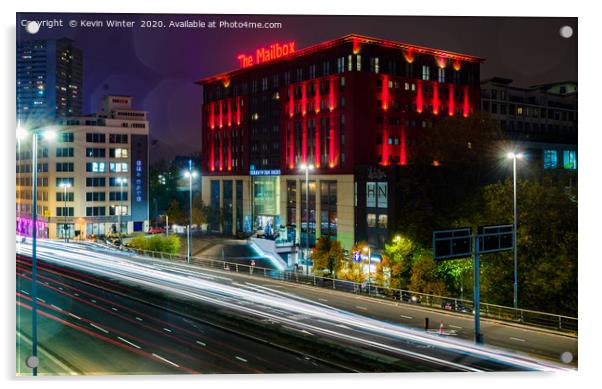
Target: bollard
{"x":426,"y":323}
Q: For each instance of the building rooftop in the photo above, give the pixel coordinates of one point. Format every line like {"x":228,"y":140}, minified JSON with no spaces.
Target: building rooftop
{"x":357,"y":40}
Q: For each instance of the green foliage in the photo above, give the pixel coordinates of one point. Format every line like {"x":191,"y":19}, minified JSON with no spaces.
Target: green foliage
{"x":159,"y":243}
{"x":328,"y":255}
{"x":399,"y":258}
{"x":175,"y":212}
{"x":426,"y":278}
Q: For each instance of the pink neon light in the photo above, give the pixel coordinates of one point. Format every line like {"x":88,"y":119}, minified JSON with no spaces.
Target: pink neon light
{"x":221,"y":115}
{"x":212,"y":115}
{"x":385,"y":156}
{"x":317,"y":99}
{"x":291,"y":102}
{"x":331,"y":95}
{"x":451,"y":107}
{"x":229,"y":113}
{"x":291,"y":156}
{"x":237,"y":110}
{"x":419,"y":100}
{"x":303,"y":100}
{"x":466,"y":107}
{"x":317,"y":153}
{"x":221,"y":153}
{"x":435,"y":98}
{"x":304,"y":141}
{"x":230,"y":152}
{"x":212,"y":153}
{"x":385,"y":93}
{"x":403,"y":157}
{"x":331,"y":145}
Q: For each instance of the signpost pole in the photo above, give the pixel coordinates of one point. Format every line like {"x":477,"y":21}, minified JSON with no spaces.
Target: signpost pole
{"x":476,"y":279}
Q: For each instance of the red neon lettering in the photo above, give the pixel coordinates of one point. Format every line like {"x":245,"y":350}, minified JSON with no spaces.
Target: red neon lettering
{"x":265,"y":54}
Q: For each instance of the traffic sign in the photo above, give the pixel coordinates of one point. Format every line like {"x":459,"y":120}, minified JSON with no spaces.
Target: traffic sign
{"x":496,"y":238}
{"x":451,"y":244}
{"x":357,"y":256}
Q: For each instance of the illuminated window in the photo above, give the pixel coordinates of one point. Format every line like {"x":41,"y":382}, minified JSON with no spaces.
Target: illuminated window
{"x":358,"y":60}
{"x":426,"y":73}
{"x":550,"y":159}
{"x":374,"y":66}
{"x":519,"y":111}
{"x":96,"y":167}
{"x":118,"y":153}
{"x":118,"y":167}
{"x":382,"y":221}
{"x":349,"y":62}
{"x":570,"y":159}
{"x":441,"y":75}
{"x":371,"y":219}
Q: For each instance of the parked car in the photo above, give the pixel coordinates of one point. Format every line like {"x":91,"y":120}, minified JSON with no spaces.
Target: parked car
{"x":156,"y":230}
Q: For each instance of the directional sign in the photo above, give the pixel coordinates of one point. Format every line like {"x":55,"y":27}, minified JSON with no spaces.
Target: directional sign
{"x":496,"y":238}
{"x":357,"y":257}
{"x":451,"y":244}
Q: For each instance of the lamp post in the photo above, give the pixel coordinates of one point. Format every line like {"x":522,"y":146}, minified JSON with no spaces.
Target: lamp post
{"x":65,"y":185}
{"x":32,"y":361}
{"x":369,"y":251}
{"x":120,"y":181}
{"x":306,"y":168}
{"x":514,"y":157}
{"x":190,"y":174}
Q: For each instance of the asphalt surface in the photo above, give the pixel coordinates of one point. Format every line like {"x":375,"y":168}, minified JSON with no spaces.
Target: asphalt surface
{"x":87,"y":330}
{"x":348,"y":319}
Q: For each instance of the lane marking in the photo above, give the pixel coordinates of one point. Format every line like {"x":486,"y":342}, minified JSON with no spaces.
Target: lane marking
{"x":75,"y":316}
{"x":139,"y":319}
{"x":167,"y":329}
{"x":518,"y":339}
{"x":128,"y":342}
{"x":406,"y":317}
{"x":24,"y":292}
{"x":360,"y":307}
{"x":321,"y":299}
{"x":100,"y":328}
{"x":54,"y":306}
{"x":453,"y":326}
{"x":241,"y":359}
{"x":201,"y":343}
{"x":165,"y":360}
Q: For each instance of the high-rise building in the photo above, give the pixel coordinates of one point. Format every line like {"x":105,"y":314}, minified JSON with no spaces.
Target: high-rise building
{"x":355,"y":108}
{"x":540,"y":119}
{"x":91,"y":176}
{"x":49,"y":80}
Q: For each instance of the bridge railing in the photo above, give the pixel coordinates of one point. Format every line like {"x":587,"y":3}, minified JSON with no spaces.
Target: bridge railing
{"x":462,"y":306}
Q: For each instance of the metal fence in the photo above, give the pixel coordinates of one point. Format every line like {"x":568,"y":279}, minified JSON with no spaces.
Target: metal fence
{"x":452,"y":304}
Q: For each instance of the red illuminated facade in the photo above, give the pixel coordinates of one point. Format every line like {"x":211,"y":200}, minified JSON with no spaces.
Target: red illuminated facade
{"x":347,"y":102}
{"x":348,"y":106}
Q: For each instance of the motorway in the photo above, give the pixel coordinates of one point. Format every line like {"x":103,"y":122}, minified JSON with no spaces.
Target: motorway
{"x":97,"y":292}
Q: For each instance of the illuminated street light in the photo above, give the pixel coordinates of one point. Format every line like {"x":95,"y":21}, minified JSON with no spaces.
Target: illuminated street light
{"x":514,"y":156}
{"x":22,"y":134}
{"x":190,"y":174}
{"x":306,"y":168}
{"x":120,"y":181}
{"x":369,"y":251}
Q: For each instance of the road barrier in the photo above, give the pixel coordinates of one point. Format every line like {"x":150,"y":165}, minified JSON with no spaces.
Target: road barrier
{"x":497,"y":312}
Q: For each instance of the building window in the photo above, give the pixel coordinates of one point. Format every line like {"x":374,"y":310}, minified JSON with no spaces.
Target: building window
{"x":64,"y":166}
{"x":382,"y":221}
{"x":113,"y":181}
{"x":570,"y":159}
{"x":340,"y":65}
{"x":95,"y":181}
{"x":95,"y":152}
{"x":66,"y":137}
{"x":64,"y":152}
{"x":117,"y":210}
{"x":95,"y":137}
{"x":95,"y":196}
{"x":550,"y":159}
{"x":291,"y":202}
{"x":60,"y":196}
{"x":328,"y":202}
{"x":61,"y":181}
{"x":96,"y":167}
{"x":441,"y":75}
{"x":118,"y":196}
{"x":64,"y":211}
{"x":426,"y":73}
{"x":358,"y":63}
{"x":118,"y":138}
{"x":118,"y":153}
{"x":95,"y":211}
{"x":118,"y":167}
{"x":371,"y":220}
{"x":519,"y":111}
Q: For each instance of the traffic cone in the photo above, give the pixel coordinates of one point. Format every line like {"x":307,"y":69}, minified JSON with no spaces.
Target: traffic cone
{"x":441,"y":328}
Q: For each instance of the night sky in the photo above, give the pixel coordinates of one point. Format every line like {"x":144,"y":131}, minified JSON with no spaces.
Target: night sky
{"x":158,"y":67}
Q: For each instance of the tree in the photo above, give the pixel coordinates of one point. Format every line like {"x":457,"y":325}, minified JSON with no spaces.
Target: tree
{"x":328,"y":255}
{"x":200,"y":211}
{"x":547,"y":245}
{"x":425,"y":278}
{"x":399,"y":257}
{"x":175,"y":213}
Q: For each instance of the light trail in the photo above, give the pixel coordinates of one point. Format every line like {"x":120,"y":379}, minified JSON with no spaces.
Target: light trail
{"x":263,"y":302}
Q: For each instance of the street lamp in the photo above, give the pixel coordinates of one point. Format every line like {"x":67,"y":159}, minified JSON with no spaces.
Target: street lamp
{"x":65,"y":185}
{"x":190,"y":174}
{"x":369,"y":251}
{"x":120,"y":181}
{"x":306,"y":168}
{"x":48,"y":134}
{"x":514,"y":157}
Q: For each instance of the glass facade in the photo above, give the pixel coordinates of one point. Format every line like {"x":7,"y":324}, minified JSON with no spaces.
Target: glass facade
{"x":328,"y":209}
{"x":550,"y":159}
{"x":227,"y":208}
{"x":291,"y":202}
{"x":308,"y":229}
{"x":570,"y":159}
{"x":239,"y":226}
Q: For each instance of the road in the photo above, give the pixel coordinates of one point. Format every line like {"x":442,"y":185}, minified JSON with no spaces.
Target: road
{"x":282,"y":306}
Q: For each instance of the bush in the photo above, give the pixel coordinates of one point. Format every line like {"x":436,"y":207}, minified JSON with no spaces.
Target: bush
{"x":158,"y":243}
